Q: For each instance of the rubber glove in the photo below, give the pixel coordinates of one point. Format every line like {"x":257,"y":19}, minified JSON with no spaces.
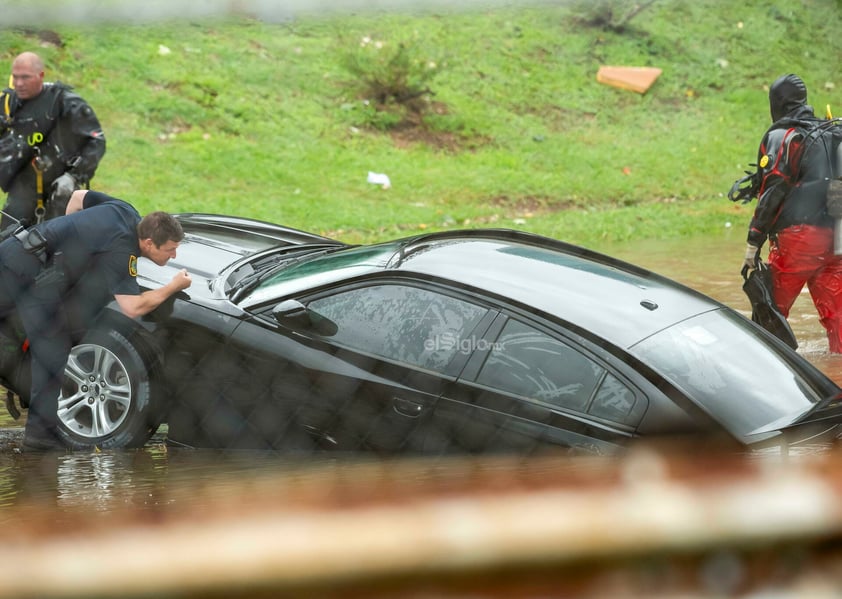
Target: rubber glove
{"x":63,"y":187}
{"x":751,"y":257}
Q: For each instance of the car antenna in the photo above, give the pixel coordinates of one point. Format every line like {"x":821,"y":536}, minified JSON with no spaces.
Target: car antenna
{"x":13,"y":228}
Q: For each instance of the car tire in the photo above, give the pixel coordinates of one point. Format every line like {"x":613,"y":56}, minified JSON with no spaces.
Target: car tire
{"x":109,"y":397}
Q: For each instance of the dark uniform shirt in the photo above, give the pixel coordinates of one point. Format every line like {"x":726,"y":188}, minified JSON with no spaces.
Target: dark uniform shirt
{"x":99,"y":248}
{"x":101,"y":238}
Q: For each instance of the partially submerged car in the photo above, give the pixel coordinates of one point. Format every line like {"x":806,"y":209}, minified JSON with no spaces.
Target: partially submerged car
{"x":460,"y":341}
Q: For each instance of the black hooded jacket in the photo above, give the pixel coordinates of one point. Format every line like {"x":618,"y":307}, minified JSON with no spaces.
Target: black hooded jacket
{"x":794,"y":161}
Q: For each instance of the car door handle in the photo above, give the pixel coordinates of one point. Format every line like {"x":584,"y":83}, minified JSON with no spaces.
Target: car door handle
{"x":407,"y":407}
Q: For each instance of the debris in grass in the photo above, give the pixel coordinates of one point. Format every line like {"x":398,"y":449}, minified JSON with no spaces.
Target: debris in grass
{"x":636,"y":79}
{"x":379,"y":179}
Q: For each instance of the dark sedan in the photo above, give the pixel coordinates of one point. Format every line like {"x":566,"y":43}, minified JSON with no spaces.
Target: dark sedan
{"x":461,"y":341}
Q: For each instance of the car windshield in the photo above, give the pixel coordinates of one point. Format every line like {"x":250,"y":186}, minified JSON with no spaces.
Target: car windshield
{"x":718,"y":359}
{"x":320,"y":270}
{"x":250,"y":274}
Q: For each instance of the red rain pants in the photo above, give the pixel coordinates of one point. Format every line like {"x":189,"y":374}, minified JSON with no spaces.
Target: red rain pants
{"x":803,"y":254}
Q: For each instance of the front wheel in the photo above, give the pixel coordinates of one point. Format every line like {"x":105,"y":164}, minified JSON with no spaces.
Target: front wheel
{"x":108,"y":397}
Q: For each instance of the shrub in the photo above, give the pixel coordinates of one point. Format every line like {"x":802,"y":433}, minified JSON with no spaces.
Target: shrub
{"x":392,"y":78}
{"x":611,"y":15}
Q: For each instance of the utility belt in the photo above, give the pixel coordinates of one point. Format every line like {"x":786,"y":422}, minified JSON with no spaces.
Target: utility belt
{"x":35,"y":243}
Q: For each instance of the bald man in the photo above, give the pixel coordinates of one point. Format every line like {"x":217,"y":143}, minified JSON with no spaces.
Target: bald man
{"x":51,"y":143}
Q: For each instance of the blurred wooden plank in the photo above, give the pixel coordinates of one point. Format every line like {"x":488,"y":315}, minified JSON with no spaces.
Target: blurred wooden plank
{"x":364,"y":526}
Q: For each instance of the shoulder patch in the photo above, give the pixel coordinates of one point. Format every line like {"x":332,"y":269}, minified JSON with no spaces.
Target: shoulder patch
{"x":133,"y":266}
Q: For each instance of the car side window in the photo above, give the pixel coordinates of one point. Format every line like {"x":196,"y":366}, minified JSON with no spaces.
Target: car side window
{"x":409,"y":324}
{"x":614,"y":401}
{"x":527,"y":362}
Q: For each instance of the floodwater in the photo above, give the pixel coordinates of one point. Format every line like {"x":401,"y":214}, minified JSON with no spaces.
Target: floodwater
{"x":154,"y":478}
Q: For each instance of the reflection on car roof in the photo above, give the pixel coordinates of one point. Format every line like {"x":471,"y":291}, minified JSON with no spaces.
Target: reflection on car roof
{"x":624,"y":305}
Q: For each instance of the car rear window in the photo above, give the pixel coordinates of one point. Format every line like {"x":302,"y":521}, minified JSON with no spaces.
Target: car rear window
{"x":729,"y":369}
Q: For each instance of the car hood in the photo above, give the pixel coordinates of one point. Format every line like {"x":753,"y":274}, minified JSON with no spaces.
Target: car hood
{"x":214,"y":242}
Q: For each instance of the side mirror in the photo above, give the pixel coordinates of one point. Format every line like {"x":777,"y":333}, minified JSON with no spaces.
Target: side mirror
{"x":292,"y":314}
{"x":295,"y":315}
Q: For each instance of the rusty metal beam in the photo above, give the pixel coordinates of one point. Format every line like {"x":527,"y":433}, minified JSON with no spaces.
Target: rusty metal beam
{"x":362,"y":526}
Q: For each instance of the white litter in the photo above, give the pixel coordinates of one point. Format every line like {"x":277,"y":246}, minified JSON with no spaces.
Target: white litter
{"x":379,"y":179}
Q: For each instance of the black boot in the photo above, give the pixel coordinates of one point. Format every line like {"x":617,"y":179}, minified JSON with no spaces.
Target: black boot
{"x":37,"y":438}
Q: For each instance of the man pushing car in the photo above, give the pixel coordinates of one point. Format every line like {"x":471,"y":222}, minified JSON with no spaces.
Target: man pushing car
{"x":90,"y":254}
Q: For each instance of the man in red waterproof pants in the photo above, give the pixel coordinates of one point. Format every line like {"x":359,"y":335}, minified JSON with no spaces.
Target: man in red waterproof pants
{"x":795,"y":164}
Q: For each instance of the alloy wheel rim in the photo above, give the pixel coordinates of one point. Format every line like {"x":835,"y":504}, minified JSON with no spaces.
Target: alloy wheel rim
{"x":96,"y":393}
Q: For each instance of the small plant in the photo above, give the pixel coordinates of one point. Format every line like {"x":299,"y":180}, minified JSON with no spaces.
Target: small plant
{"x":392,"y":79}
{"x":609,"y":15}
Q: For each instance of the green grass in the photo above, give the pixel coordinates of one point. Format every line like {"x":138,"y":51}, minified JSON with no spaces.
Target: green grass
{"x":259,"y":119}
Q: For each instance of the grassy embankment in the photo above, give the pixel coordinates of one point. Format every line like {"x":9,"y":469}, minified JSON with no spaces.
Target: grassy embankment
{"x":255,"y":119}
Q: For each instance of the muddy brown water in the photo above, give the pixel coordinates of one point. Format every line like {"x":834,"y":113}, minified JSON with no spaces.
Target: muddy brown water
{"x":155,"y":478}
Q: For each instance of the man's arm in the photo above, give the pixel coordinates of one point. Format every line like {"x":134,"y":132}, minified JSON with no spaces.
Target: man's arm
{"x":86,"y":127}
{"x":76,"y":201}
{"x":777,"y":175}
{"x":766,"y":212}
{"x":138,"y":305}
{"x":82,"y":199}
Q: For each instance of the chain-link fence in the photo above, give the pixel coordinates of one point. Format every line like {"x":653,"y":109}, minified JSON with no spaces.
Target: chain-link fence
{"x":411,"y":391}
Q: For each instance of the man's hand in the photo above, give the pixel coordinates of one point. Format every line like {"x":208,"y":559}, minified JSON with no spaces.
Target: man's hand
{"x":63,"y":187}
{"x":181,"y":280}
{"x":750,"y":259}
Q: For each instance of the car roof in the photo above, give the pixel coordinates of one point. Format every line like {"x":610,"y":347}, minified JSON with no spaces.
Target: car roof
{"x":616,"y":300}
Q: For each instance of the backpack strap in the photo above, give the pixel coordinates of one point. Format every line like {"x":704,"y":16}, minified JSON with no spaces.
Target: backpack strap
{"x":818,"y":133}
{"x":7,"y":112}
{"x":7,"y":100}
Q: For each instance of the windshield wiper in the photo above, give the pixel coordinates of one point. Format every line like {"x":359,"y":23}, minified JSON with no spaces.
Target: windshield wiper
{"x":253,"y":280}
{"x":826,"y":402}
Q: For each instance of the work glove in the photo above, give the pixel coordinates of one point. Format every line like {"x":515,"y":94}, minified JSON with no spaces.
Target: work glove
{"x":62,"y":188}
{"x":751,"y":259}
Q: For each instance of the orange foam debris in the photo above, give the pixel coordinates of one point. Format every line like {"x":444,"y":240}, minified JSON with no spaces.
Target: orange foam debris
{"x":636,"y":79}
